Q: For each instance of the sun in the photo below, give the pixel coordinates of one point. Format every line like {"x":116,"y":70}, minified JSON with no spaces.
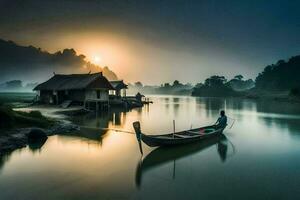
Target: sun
{"x":97,"y":59}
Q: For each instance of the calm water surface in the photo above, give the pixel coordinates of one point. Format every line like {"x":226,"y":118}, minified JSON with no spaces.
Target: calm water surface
{"x":259,"y":157}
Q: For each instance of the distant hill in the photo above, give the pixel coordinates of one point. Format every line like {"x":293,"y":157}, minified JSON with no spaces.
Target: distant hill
{"x":31,"y":64}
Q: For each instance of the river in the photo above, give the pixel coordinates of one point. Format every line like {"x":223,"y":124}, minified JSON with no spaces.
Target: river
{"x":258,"y":159}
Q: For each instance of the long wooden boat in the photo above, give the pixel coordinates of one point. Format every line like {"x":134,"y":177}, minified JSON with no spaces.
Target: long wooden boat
{"x":176,"y":138}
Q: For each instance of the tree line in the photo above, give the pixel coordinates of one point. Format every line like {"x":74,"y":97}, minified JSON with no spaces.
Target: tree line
{"x":218,"y":86}
{"x":282,"y":76}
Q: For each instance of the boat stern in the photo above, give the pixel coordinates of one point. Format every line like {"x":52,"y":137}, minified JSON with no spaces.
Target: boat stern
{"x":137,"y":129}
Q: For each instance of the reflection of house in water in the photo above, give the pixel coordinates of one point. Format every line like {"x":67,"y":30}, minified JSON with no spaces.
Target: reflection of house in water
{"x":94,"y":126}
{"x":85,"y":89}
{"x":118,"y":118}
{"x":102,"y":120}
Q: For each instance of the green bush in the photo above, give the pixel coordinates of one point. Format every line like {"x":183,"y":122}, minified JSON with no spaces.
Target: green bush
{"x":6,"y":117}
{"x":34,"y":114}
{"x":10,"y":118}
{"x":295,"y":92}
{"x":25,"y":121}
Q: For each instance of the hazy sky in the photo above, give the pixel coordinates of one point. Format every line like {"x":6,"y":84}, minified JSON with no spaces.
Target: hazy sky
{"x":159,"y":41}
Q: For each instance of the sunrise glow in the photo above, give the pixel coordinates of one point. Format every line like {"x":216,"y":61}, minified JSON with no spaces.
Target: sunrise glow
{"x":127,"y":99}
{"x":97,"y":60}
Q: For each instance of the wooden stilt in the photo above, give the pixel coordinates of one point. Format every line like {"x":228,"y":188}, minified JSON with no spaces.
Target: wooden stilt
{"x":97,"y":106}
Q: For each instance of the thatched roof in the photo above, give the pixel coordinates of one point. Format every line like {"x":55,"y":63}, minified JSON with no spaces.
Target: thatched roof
{"x":118,"y":85}
{"x":75,"y":81}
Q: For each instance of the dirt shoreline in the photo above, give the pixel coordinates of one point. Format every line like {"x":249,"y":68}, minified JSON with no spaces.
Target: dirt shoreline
{"x":17,"y":138}
{"x":14,"y":139}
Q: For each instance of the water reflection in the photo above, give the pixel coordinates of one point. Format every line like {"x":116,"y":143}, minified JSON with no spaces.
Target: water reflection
{"x":165,"y":155}
{"x":102,"y":119}
{"x":176,"y":105}
{"x":222,"y":147}
{"x":3,"y":159}
{"x":100,"y":163}
{"x":37,"y":144}
{"x":94,"y":126}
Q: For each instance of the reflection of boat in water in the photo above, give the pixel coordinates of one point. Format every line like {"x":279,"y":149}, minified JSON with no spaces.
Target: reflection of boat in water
{"x":163,"y":155}
{"x":176,"y":138}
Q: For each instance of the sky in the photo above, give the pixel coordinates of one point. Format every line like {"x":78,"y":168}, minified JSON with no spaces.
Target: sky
{"x":160,"y":41}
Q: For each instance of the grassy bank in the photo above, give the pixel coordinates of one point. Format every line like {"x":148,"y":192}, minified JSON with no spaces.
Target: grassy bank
{"x":17,"y":99}
{"x":13,"y":97}
{"x":16,"y":119}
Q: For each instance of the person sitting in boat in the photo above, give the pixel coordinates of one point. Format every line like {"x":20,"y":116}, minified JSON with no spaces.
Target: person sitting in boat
{"x":222,"y":120}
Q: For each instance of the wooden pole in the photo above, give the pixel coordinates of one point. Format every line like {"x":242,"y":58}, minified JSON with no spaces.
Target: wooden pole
{"x":174,"y":168}
{"x":173,"y":128}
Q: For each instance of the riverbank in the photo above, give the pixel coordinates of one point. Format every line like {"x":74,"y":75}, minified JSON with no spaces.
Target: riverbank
{"x":17,"y":124}
{"x":283,"y":96}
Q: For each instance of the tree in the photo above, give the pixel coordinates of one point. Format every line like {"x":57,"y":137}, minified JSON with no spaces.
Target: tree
{"x":238,"y":84}
{"x":138,"y":84}
{"x":295,"y":92}
{"x":215,"y":81}
{"x":239,"y":77}
{"x":198,"y":85}
{"x":282,"y":76}
{"x":216,"y":86}
{"x":167,"y":85}
{"x":176,"y":83}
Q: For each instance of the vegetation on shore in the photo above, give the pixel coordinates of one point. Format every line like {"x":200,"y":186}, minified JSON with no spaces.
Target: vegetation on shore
{"x":282,"y":76}
{"x":218,"y":86}
{"x":17,"y":119}
{"x":16,"y":97}
{"x":280,"y":80}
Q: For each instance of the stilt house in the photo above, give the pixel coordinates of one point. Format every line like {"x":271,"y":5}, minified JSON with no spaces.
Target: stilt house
{"x":81,"y":88}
